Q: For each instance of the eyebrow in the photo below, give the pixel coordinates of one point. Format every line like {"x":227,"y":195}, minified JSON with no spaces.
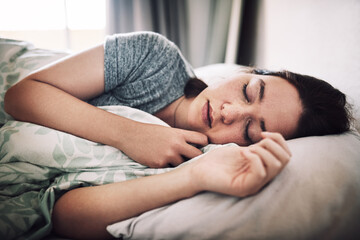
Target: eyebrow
{"x":261,"y":96}
{"x":262,"y":89}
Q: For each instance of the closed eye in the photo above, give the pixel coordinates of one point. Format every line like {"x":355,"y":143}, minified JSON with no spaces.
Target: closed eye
{"x":246,"y":132}
{"x":244,"y":92}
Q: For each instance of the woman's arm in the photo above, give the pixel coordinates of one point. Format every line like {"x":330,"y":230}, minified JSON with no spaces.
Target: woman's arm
{"x":84,"y":213}
{"x":53,"y":97}
{"x":232,"y":170}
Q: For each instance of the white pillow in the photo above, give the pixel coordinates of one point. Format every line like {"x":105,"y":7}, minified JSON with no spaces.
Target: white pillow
{"x":315,"y":197}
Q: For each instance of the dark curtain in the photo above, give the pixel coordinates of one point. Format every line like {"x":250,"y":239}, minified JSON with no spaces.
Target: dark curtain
{"x":201,"y":28}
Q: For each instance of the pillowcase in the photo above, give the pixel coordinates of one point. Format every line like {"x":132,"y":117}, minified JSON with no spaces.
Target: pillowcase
{"x":315,"y":197}
{"x":18,"y":59}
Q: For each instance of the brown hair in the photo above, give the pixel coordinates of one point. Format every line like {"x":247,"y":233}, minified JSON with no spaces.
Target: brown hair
{"x":193,"y":87}
{"x":325,"y":109}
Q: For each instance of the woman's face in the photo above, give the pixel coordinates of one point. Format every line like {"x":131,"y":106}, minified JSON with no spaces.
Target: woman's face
{"x":240,"y":108}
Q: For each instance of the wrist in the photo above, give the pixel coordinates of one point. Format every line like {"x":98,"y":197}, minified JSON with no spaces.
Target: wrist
{"x":192,"y":177}
{"x":122,"y":132}
{"x":187,"y":177}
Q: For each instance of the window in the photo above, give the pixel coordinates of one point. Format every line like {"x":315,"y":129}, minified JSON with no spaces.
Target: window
{"x":57,"y":24}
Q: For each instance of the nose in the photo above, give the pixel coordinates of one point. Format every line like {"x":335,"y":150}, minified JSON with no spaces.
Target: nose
{"x":232,"y":112}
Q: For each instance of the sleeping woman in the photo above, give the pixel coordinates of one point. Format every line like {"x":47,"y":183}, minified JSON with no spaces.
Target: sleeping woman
{"x":255,"y":109}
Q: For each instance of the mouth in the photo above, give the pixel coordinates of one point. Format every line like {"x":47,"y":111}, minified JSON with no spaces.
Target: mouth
{"x":210,"y":115}
{"x":206,"y":114}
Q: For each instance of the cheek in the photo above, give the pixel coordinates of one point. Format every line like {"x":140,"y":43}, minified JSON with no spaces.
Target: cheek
{"x":194,"y":114}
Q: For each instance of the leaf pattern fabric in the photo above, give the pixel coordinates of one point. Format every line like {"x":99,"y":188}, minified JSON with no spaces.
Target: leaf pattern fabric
{"x":38,"y":164}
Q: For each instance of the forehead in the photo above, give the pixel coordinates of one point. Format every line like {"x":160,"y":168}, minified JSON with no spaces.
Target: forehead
{"x":281,"y":106}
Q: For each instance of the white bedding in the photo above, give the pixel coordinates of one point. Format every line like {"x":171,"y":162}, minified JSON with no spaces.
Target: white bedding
{"x":317,"y":196}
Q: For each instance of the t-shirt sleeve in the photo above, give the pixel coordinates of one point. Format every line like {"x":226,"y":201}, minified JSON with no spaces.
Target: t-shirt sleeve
{"x":144,"y":68}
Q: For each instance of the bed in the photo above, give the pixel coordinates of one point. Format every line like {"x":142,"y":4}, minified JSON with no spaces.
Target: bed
{"x":317,"y":196}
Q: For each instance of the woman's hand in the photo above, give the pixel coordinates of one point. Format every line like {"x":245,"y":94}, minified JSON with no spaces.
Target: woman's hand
{"x":242,"y":171}
{"x":158,"y":146}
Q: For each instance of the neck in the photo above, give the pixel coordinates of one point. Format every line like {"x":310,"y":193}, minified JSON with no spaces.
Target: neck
{"x":171,"y":113}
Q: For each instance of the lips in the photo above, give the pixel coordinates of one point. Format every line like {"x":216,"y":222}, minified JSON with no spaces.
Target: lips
{"x":210,"y":114}
{"x":206,"y":113}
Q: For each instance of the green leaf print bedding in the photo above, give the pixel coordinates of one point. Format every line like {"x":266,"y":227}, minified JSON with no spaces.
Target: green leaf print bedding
{"x":37,"y":164}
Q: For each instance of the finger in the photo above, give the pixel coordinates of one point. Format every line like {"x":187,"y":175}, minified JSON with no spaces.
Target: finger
{"x":278,"y":151}
{"x":272,"y":165}
{"x":190,"y":151}
{"x":195,"y":137}
{"x":255,"y":161}
{"x":176,"y":161}
{"x":277,"y":137}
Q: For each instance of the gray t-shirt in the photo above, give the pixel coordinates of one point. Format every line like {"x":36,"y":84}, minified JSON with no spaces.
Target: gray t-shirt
{"x":143,"y":70}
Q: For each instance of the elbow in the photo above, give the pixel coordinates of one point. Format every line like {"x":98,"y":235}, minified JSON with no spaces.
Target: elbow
{"x":15,"y":99}
{"x":72,"y":211}
{"x":10,"y":100}
{"x":62,"y":221}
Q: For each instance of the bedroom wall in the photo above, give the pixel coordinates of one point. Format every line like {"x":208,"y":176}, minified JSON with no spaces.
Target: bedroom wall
{"x":315,"y":37}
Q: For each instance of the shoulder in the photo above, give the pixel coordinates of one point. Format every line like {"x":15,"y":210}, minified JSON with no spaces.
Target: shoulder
{"x":146,"y":50}
{"x":140,"y":40}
